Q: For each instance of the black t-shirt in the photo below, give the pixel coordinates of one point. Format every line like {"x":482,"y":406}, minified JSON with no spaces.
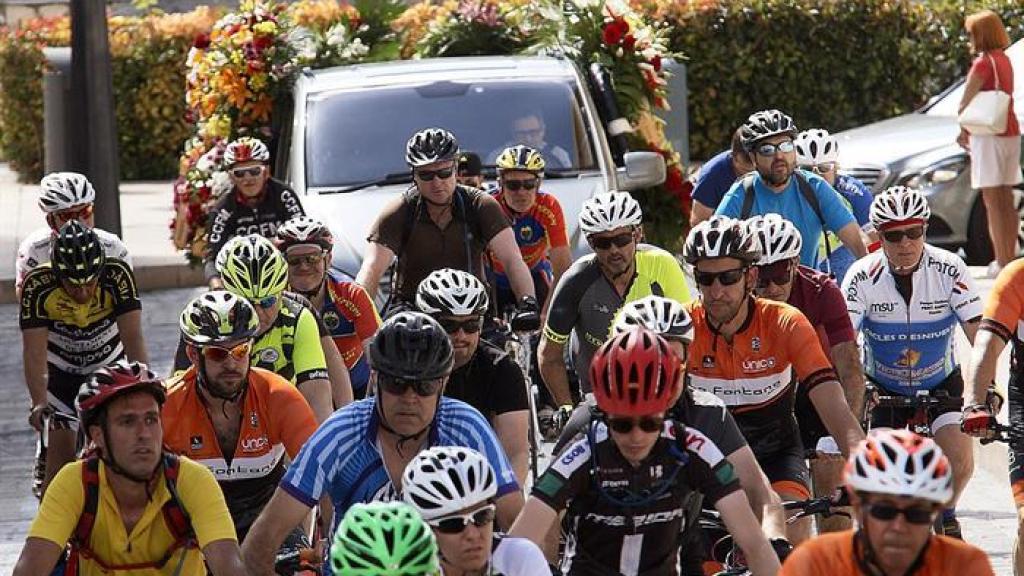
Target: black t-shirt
{"x":491,"y":382}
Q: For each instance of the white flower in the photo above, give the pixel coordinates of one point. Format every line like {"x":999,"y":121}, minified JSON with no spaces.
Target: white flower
{"x":337,"y":35}
{"x":303,"y":41}
{"x":220,"y":182}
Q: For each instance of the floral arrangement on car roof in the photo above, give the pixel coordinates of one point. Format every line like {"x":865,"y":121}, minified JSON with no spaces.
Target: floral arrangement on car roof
{"x":467,"y":28}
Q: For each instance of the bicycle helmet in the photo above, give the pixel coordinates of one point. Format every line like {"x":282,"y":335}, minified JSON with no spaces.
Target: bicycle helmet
{"x":252,"y":267}
{"x":246,"y":149}
{"x":816,"y":146}
{"x":777,"y":238}
{"x":520,"y":158}
{"x":383,"y":539}
{"x":303,"y":230}
{"x":76,"y":254}
{"x":900,"y":463}
{"x":451,"y":292}
{"x":721,"y":237}
{"x":64,"y":190}
{"x":660,"y":315}
{"x":608,"y":211}
{"x":429,"y":146}
{"x":443,"y":480}
{"x":635,"y":373}
{"x":216,"y":317}
{"x":899,"y":205}
{"x":765,"y":124}
{"x":411,"y":346}
{"x":115,"y":380}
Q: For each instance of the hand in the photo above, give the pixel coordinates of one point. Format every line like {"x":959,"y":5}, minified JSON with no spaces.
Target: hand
{"x":36,"y":414}
{"x":782,"y":548}
{"x":977,"y":421}
{"x":993,"y":399}
{"x":527,"y":318}
{"x":964,"y":140}
{"x":561,"y":416}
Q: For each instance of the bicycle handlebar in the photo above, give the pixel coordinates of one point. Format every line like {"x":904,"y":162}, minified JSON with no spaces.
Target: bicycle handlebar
{"x":302,"y":559}
{"x":822,"y":505}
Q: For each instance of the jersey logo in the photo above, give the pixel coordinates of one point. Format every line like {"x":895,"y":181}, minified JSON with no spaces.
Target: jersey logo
{"x":755,"y":343}
{"x":254,"y":420}
{"x":758,"y":365}
{"x":707,"y":361}
{"x":331,"y":320}
{"x":884,"y":307}
{"x":526,"y":233}
{"x":254,"y":444}
{"x":196,"y":442}
{"x":908,"y":358}
{"x":269,"y":356}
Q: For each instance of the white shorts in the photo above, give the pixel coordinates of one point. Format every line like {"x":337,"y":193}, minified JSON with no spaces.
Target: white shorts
{"x":995,"y":161}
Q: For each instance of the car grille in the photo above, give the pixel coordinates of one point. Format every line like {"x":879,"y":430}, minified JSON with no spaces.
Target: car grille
{"x":873,"y":177}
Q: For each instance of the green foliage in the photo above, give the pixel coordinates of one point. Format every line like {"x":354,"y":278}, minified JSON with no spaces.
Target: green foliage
{"x":21,"y":108}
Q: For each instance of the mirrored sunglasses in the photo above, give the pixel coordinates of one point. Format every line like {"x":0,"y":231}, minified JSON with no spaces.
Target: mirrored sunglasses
{"x":266,"y":303}
{"x":768,"y":149}
{"x":248,"y":171}
{"x":456,"y":524}
{"x":305,"y":259}
{"x":220,"y":354}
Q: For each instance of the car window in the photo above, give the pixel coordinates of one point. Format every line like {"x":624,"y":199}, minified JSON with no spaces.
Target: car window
{"x":355,"y":136}
{"x":948,"y":104}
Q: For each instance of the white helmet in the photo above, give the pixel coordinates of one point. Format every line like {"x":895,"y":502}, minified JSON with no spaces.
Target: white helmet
{"x":899,"y":204}
{"x":816,"y":146}
{"x":608,"y":211}
{"x":246,"y":149}
{"x":900,"y":463}
{"x":451,"y":292}
{"x":445,"y":479}
{"x":658,"y":314}
{"x":63,"y":190}
{"x":721,"y":237}
{"x":777,"y":237}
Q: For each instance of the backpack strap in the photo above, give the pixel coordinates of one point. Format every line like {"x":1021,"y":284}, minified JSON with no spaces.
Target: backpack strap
{"x":808,"y":193}
{"x":748,"y":195}
{"x":78,"y":545}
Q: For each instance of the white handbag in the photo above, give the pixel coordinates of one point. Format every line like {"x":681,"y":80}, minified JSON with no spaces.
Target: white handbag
{"x":986,"y":113}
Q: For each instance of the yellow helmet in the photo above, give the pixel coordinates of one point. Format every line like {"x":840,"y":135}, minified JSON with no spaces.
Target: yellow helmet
{"x":520,"y":158}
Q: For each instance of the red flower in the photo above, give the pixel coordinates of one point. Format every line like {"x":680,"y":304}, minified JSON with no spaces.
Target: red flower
{"x":201,"y":41}
{"x":261,"y":43}
{"x":628,"y":42}
{"x":614,"y":31}
{"x":656,"y":62}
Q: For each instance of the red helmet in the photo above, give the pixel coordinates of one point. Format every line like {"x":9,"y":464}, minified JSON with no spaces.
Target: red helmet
{"x":112,"y":381}
{"x":635,"y":373}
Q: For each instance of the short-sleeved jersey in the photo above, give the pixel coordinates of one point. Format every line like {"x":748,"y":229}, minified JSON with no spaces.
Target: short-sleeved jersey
{"x":276,"y":420}
{"x":536,"y":232}
{"x":790,"y":203}
{"x":291,"y":347}
{"x":756,"y":374}
{"x":585,"y":301}
{"x":150,"y":539}
{"x":1004,"y":317}
{"x":819,"y":298}
{"x":35,"y":250}
{"x":857,"y":198}
{"x":642,"y":539}
{"x":491,"y":382}
{"x":716,"y":177}
{"x":82,"y":337}
{"x":837,"y":554}
{"x":911,"y":347}
{"x":350,"y":317}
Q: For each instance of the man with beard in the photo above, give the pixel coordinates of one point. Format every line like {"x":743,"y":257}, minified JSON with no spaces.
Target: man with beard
{"x":776,"y":187}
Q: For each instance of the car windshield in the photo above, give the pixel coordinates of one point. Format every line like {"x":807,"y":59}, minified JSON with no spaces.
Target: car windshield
{"x":359,"y":136}
{"x":949,"y":104}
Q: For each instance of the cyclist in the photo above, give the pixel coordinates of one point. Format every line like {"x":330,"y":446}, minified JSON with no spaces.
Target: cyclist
{"x":384,"y":539}
{"x":754,"y":354}
{"x":256,"y":203}
{"x":780,"y":277}
{"x":470,"y":172}
{"x":130,"y":507}
{"x":439,"y":224}
{"x":817,"y":151}
{"x":907,"y":299}
{"x":776,"y":187}
{"x":898,"y":483}
{"x":585,"y":300}
{"x":237,"y":420}
{"x":453,"y":490}
{"x":483,"y":375}
{"x":359,"y":454}
{"x":79,"y":312}
{"x":625,"y":484}
{"x":537,"y":222}
{"x":716,"y":178}
{"x":346,"y":309}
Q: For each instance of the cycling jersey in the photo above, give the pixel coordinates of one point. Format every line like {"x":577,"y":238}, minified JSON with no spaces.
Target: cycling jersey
{"x":491,"y":382}
{"x":350,"y":317}
{"x":839,"y":554}
{"x":536,"y":232}
{"x":910,"y":347}
{"x":150,"y":538}
{"x":514,"y":557}
{"x":857,"y":198}
{"x":585,"y":301}
{"x":275,"y":420}
{"x":594,"y":481}
{"x":35,"y":250}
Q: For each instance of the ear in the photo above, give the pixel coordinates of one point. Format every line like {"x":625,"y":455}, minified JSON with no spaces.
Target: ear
{"x":95,"y":434}
{"x":752,"y":274}
{"x":193,"y":353}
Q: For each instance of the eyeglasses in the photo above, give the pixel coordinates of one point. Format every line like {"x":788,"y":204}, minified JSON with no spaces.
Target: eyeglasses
{"x":896,"y":236}
{"x":778,"y":273}
{"x":250,"y":171}
{"x":398,"y":386}
{"x":919,"y":515}
{"x":307,"y":259}
{"x":220,"y":354}
{"x":725,"y":278}
{"x":266,"y":303}
{"x":82,"y":213}
{"x":768,"y":149}
{"x":823,"y":168}
{"x":428,"y":175}
{"x":647,"y":424}
{"x":468,"y":326}
{"x":606,"y":242}
{"x":456,"y":524}
{"x":517,"y":185}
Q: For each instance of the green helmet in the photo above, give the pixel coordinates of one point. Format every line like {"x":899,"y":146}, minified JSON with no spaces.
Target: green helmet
{"x":384,"y":539}
{"x":216,"y":317}
{"x":252,"y":267}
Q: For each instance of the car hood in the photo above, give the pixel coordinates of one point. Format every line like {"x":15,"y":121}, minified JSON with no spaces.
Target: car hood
{"x":896,"y":139}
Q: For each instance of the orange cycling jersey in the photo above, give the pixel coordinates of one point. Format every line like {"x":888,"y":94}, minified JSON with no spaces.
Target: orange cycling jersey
{"x":834,"y":554}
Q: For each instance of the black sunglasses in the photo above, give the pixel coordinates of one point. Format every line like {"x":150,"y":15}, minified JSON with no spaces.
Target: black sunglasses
{"x":517,"y":185}
{"x":605,"y":242}
{"x":468,"y":326}
{"x":648,"y":424}
{"x":919,"y":515}
{"x":307,"y":259}
{"x":726,"y":278}
{"x":778,"y":273}
{"x":896,"y":236}
{"x":456,"y":524}
{"x":398,"y":386}
{"x":428,"y":175}
{"x":767,"y":149}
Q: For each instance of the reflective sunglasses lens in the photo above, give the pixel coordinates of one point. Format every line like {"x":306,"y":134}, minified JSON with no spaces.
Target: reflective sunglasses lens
{"x":480,"y":518}
{"x":307,"y":259}
{"x":243,"y":172}
{"x":219,"y":354}
{"x":265,"y":302}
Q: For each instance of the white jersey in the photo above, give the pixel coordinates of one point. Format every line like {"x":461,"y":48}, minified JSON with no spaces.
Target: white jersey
{"x":515,"y":557}
{"x":35,"y":250}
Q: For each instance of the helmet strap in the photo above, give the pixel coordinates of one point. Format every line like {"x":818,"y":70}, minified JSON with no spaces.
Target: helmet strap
{"x":107,"y":456}
{"x":201,"y":379}
{"x":863,"y":551}
{"x":402,"y":438}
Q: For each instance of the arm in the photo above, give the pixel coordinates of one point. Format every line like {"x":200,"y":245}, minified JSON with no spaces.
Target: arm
{"x":851,"y":237}
{"x":129,"y":326}
{"x":980,"y":373}
{"x":223,"y":558}
{"x":835,"y":413}
{"x":509,"y":507}
{"x":317,"y":393}
{"x":846,"y":359}
{"x":971,"y":89}
{"x":279,"y":517}
{"x":505,"y":249}
{"x":742,"y":524}
{"x":534,"y":521}
{"x":377,"y":259}
{"x":38,"y":557}
{"x":552,"y":370}
{"x":971,"y":329}
{"x":33,"y":349}
{"x":341,"y":385}
{"x":512,"y":429}
{"x":561,"y":259}
{"x":765,"y":502}
{"x":699,"y":213}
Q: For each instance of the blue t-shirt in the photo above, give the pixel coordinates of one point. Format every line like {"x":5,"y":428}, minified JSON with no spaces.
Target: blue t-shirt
{"x":857,"y":198}
{"x":790,"y":204}
{"x":716,"y":176}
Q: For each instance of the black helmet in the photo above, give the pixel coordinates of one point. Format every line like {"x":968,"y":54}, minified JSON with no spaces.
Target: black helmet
{"x":721,"y":237}
{"x":765,"y":124}
{"x":77,"y":254}
{"x":429,"y":146}
{"x":411,"y":346}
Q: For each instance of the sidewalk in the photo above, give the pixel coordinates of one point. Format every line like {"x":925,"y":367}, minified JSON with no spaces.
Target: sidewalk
{"x":145,"y":215}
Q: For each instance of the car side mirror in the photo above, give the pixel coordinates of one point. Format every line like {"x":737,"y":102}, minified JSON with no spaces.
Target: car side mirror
{"x":641,"y":170}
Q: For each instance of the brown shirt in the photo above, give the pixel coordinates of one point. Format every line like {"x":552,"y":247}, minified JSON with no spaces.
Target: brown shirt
{"x":476,"y":219}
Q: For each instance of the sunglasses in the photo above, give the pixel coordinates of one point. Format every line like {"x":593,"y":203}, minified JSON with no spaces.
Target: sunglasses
{"x":647,"y":424}
{"x":919,"y":515}
{"x":767,"y":149}
{"x":896,"y":236}
{"x":456,"y":524}
{"x":726,"y":278}
{"x":606,"y":242}
{"x":517,"y":185}
{"x":307,"y":259}
{"x":823,"y":168}
{"x":778,"y":273}
{"x":220,"y":354}
{"x":468,"y":326}
{"x":428,"y":175}
{"x":250,"y":171}
{"x":398,"y":386}
{"x":82,"y":213}
{"x":266,"y":303}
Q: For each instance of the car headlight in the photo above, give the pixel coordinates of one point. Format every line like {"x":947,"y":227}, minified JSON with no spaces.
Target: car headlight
{"x":934,"y":175}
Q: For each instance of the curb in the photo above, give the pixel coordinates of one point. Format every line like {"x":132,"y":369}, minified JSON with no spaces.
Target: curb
{"x":147,"y":278}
